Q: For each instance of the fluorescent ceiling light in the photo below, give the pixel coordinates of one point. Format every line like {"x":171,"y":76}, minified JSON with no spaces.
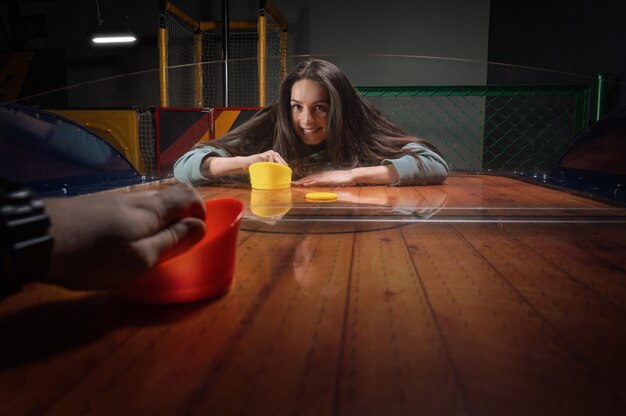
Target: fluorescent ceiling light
{"x":105,"y":38}
{"x":117,"y":37}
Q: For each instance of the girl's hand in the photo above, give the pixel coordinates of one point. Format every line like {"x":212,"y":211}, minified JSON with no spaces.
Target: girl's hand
{"x":268,"y":156}
{"x":328,"y":178}
{"x":237,"y":165}
{"x":372,"y":175}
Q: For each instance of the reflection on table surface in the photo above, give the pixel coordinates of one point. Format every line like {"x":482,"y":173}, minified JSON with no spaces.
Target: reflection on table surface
{"x":485,"y":295}
{"x":464,"y":198}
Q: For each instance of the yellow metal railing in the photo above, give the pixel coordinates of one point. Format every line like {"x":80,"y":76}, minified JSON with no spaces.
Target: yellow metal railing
{"x":268,"y":15}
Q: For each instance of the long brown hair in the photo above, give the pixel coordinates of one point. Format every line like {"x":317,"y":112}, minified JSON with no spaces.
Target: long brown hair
{"x":358,"y":134}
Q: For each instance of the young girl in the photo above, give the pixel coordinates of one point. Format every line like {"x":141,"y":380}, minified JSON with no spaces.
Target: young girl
{"x":326,"y":132}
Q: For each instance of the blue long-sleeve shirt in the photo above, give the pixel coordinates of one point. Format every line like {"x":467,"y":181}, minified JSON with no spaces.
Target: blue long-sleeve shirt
{"x":433,"y":169}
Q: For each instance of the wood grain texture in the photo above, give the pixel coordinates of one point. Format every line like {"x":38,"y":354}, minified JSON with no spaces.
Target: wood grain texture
{"x":483,"y":296}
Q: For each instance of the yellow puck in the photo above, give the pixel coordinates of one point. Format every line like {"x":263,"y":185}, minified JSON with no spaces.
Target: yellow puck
{"x":321,"y":196}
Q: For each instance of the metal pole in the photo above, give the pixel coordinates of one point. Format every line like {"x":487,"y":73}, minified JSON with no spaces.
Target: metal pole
{"x":163,"y":52}
{"x":163,"y":79}
{"x":225,"y":28}
{"x":601,"y":91}
{"x":262,"y":57}
{"x":197,"y":54}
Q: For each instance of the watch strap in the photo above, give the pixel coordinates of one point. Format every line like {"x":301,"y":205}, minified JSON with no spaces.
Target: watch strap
{"x":25,"y":245}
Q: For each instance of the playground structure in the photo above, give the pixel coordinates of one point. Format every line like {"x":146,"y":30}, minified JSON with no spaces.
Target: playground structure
{"x":152,"y":139}
{"x":196,"y":65}
{"x":244,"y":60}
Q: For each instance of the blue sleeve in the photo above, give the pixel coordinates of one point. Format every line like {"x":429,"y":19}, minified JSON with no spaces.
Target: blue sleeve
{"x":433,"y":169}
{"x":187,"y":168}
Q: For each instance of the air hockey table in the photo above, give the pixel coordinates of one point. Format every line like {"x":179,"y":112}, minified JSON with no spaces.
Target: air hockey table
{"x":486,"y":295}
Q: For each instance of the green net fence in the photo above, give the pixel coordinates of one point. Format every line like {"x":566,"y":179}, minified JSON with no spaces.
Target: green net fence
{"x":489,"y":128}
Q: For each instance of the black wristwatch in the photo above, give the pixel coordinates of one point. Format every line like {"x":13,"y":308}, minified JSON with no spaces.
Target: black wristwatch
{"x":25,"y":245}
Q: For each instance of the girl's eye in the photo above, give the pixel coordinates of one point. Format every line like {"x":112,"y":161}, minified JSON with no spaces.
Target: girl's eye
{"x":296,"y":106}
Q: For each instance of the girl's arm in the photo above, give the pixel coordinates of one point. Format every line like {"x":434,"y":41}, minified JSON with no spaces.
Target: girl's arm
{"x":224,"y":166}
{"x":405,"y":170}
{"x":200,"y":166}
{"x":431,"y":169}
{"x":371,"y":175}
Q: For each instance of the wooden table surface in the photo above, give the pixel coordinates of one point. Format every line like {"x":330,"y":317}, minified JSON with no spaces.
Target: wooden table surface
{"x":483,"y":296}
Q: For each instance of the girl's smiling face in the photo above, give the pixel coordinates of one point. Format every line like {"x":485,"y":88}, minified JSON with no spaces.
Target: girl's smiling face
{"x":309,"y":111}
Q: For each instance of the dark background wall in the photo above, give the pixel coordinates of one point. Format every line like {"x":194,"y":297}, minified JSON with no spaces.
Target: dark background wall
{"x":579,"y":37}
{"x":573,"y":37}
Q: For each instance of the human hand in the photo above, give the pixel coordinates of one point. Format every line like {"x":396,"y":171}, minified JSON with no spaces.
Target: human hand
{"x":327,"y":178}
{"x":236,"y":165}
{"x":104,"y":240}
{"x":268,"y":156}
{"x":369,"y":175}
